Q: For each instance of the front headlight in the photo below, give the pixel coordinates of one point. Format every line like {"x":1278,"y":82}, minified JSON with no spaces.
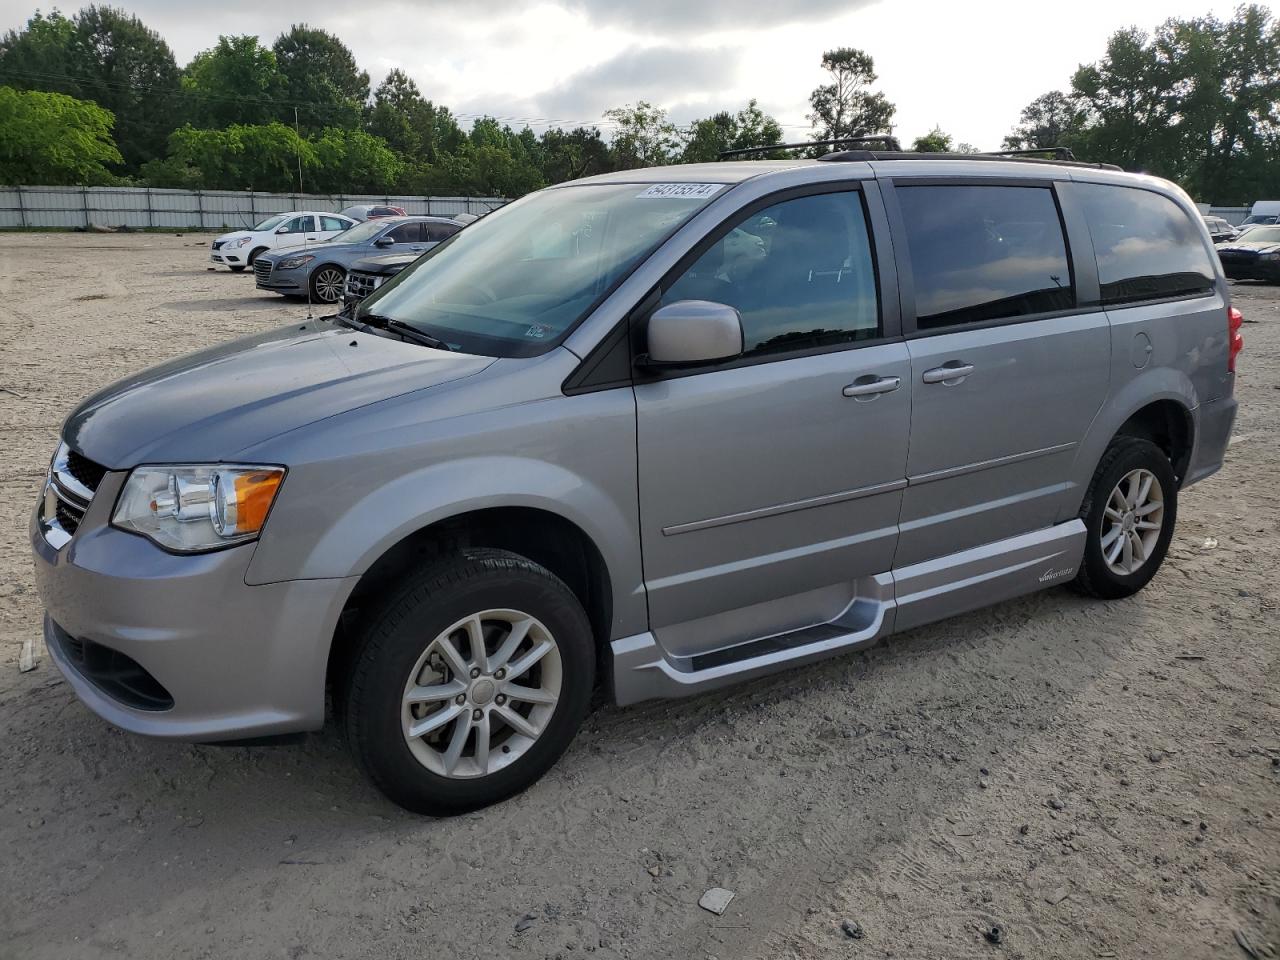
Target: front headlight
{"x":294,"y":262}
{"x":194,"y":508}
{"x":1274,"y":255}
{"x":242,"y":242}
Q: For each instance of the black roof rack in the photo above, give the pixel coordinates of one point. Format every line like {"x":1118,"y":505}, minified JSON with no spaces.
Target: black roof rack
{"x":1060,"y":156}
{"x":1059,"y":153}
{"x":888,"y":142}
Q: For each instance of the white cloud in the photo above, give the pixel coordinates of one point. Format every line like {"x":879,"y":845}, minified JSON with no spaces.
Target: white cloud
{"x":969,"y":68}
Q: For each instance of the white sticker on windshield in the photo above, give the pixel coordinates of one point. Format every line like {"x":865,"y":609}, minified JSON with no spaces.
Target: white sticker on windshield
{"x":680,"y":191}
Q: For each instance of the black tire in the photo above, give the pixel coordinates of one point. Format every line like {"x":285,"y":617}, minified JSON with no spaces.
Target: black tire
{"x":398,"y":631}
{"x":255,"y":254}
{"x":1096,"y":578}
{"x":321,"y":290}
{"x":236,"y":267}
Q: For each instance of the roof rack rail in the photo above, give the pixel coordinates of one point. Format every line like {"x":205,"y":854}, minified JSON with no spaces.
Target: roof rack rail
{"x":1059,"y":153}
{"x":855,"y":156}
{"x":886,"y":141}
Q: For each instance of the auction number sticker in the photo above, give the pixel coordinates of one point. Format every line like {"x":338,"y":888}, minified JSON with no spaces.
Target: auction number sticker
{"x":680,"y":191}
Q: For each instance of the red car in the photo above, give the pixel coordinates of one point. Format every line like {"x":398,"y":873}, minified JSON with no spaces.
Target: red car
{"x":372,"y":211}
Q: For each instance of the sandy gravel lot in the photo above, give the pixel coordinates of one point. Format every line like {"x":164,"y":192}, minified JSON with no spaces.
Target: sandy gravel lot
{"x":1095,"y":779}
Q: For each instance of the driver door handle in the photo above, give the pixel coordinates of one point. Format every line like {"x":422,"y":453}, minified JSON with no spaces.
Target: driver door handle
{"x":949,"y":373}
{"x":871,"y":386}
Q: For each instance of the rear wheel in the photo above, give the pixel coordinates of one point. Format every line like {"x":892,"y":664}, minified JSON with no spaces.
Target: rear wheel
{"x":327,"y":284}
{"x":1129,"y":515}
{"x":470,"y":683}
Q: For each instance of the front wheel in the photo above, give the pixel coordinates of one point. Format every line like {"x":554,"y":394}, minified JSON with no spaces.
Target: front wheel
{"x":327,"y":284}
{"x":1129,"y":515}
{"x":237,"y":267}
{"x":468,"y":685}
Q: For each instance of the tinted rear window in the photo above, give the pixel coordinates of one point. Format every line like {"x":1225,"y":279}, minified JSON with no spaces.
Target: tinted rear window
{"x":982,"y":253}
{"x":1147,"y":247}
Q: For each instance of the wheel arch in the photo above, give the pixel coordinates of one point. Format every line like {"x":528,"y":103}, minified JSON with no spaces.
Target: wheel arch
{"x":1160,"y":407}
{"x":536,"y":533}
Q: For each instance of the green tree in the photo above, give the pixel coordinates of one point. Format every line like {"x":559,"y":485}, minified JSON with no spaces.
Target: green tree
{"x":236,"y":81}
{"x":935,"y":141}
{"x":846,"y":106}
{"x":580,"y":152}
{"x":322,"y":78}
{"x":749,"y":127}
{"x":128,"y":69}
{"x":1197,"y":101}
{"x":41,"y":56}
{"x":240,"y":157}
{"x":1052,"y":119}
{"x":352,"y":161}
{"x":644,"y":136}
{"x":51,"y":138}
{"x":411,"y":124}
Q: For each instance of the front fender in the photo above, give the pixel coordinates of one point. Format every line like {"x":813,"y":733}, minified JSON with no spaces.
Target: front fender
{"x":573,"y":457}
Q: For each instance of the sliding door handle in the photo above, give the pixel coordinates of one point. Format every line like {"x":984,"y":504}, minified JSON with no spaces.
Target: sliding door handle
{"x":949,"y":373}
{"x":871,"y":386}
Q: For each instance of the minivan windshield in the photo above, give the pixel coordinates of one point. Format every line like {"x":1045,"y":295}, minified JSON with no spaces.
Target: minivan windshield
{"x":514,"y":283}
{"x":270,"y":223}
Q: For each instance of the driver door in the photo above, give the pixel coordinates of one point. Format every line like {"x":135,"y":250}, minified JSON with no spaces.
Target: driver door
{"x":770,"y":485}
{"x":296,"y":232}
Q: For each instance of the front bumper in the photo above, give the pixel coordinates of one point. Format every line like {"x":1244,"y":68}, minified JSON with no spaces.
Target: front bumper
{"x":282,"y":281}
{"x":1252,"y":269}
{"x":231,"y":256}
{"x":236,"y":661}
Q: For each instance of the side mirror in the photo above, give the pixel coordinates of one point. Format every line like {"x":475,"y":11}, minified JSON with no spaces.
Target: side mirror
{"x":693,"y":331}
{"x":284,"y":229}
{"x":384,"y":241}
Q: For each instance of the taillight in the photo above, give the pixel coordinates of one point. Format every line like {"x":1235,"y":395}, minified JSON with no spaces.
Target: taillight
{"x":1235,"y":339}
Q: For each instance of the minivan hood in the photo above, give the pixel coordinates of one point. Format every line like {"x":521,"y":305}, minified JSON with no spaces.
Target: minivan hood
{"x":207,"y":406}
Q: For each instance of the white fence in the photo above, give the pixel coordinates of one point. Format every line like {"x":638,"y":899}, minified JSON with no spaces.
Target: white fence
{"x":193,"y":209}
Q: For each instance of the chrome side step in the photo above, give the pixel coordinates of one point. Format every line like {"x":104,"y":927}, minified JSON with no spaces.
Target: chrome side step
{"x":889,"y":602}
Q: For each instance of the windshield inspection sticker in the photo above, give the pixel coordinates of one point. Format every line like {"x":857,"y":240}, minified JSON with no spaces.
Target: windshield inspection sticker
{"x":680,"y":191}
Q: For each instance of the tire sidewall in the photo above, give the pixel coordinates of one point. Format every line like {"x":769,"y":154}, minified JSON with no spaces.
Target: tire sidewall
{"x":1135,"y":454}
{"x":413,"y":622}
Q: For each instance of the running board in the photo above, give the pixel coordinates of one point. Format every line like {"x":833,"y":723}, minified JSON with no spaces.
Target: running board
{"x":887,"y":603}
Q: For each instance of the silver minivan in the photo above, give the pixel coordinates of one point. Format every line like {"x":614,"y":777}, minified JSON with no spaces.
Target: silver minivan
{"x":661,"y":430}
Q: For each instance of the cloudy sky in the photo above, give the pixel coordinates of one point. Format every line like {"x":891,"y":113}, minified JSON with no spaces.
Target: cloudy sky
{"x":967,"y":67}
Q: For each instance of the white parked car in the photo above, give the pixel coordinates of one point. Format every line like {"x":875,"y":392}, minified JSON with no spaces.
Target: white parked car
{"x":240,"y":248}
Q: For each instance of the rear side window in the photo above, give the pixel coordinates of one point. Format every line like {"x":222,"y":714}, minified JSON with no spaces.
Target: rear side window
{"x":1147,"y":247}
{"x":407,"y":232}
{"x":440,"y":231}
{"x":333,"y":223}
{"x":981,"y":253}
{"x":800,"y":273}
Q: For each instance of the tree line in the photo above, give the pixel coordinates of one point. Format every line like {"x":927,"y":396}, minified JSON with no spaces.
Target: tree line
{"x":98,"y":98}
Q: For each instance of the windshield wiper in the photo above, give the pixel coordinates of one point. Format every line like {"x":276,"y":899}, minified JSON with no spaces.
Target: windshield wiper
{"x":404,"y":330}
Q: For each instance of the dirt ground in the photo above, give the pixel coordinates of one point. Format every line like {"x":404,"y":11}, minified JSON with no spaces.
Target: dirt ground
{"x":1094,"y":779}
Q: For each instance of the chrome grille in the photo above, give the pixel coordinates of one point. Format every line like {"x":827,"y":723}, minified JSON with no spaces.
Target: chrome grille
{"x":360,"y":285}
{"x":262,"y":270}
{"x":72,"y":481}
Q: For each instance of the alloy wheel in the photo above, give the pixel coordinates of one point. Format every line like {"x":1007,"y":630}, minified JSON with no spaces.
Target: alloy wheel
{"x":481,"y":694}
{"x":328,"y":285}
{"x":1131,"y":522}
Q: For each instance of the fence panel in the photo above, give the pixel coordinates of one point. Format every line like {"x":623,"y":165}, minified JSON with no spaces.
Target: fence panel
{"x":142,"y":207}
{"x":1233,"y":215}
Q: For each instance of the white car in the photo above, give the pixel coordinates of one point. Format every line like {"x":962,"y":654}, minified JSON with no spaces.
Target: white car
{"x":239,"y":249}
